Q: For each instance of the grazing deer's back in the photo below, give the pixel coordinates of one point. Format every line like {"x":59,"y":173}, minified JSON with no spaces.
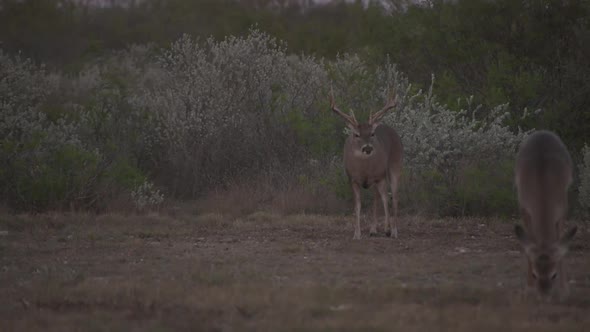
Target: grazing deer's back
{"x":543,"y":166}
{"x":543,"y":174}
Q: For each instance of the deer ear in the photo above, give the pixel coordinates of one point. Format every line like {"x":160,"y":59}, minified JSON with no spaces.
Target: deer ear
{"x":568,"y":236}
{"x":352,"y":128}
{"x":524,"y":240}
{"x":565,"y":239}
{"x":375,"y":124}
{"x":563,"y":246}
{"x":521,"y":236}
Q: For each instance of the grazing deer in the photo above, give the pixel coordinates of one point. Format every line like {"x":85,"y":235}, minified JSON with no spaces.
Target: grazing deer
{"x":543,"y":175}
{"x":373,"y":157}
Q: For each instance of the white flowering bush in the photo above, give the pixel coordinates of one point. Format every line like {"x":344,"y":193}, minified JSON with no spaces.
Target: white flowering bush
{"x":220,"y":108}
{"x":432,"y":134}
{"x":146,"y":196}
{"x":442,"y":148}
{"x":39,"y":157}
{"x":209,"y":113}
{"x":584,"y":187}
{"x":68,"y":142}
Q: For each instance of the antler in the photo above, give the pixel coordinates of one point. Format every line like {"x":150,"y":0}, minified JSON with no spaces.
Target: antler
{"x":390,"y":104}
{"x":349,"y":118}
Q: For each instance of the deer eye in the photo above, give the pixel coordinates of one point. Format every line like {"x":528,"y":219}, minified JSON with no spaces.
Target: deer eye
{"x":357,"y":135}
{"x":554,"y":275}
{"x":372,"y":134}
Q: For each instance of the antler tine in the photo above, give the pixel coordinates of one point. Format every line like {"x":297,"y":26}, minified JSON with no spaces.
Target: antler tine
{"x":392,"y":101}
{"x":349,"y":118}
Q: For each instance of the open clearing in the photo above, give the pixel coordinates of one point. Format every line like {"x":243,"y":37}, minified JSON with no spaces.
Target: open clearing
{"x":273,"y":273}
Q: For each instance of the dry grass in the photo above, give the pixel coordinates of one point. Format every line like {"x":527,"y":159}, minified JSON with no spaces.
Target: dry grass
{"x":285,"y":197}
{"x":268,"y":272}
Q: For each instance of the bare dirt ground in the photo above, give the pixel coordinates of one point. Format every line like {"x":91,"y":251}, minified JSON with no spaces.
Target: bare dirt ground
{"x":273,"y":273}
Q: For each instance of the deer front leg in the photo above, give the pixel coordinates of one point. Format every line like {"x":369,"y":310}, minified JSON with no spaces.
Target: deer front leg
{"x":382,"y":189}
{"x":356,"y":191}
{"x":373,"y":231}
{"x":530,"y":280}
{"x":393,"y":221}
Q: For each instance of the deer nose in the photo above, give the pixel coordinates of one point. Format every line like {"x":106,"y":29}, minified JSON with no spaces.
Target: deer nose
{"x":367,"y":149}
{"x":544,"y":287}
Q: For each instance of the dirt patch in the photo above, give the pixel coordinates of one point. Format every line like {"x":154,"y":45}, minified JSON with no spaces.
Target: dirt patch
{"x":271,"y":272}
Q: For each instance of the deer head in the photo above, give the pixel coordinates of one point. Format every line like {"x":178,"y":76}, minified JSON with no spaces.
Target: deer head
{"x":363,"y":135}
{"x":545,"y":259}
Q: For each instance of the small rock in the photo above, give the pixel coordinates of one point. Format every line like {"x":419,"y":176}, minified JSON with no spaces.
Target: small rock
{"x":341,"y":307}
{"x":461,"y":250}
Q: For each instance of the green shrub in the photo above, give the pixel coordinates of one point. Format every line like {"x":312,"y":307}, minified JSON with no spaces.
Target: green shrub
{"x":56,"y":180}
{"x":487,"y":189}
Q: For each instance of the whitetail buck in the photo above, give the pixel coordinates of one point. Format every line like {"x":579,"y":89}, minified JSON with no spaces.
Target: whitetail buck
{"x":543,"y":174}
{"x":373,"y":157}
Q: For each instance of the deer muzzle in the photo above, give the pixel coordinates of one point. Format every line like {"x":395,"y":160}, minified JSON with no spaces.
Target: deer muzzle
{"x":367,"y":149}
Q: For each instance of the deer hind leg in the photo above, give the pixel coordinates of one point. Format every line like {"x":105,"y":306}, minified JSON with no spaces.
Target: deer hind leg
{"x":356,"y":191}
{"x":373,"y":231}
{"x":382,"y":190}
{"x":530,"y":280}
{"x":393,"y":181}
{"x":563,"y":286}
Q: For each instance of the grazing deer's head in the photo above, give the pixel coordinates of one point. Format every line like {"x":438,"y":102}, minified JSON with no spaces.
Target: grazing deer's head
{"x":543,"y":173}
{"x":545,"y":259}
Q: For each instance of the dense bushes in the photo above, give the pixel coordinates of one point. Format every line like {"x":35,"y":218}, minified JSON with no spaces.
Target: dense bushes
{"x":182,"y":116}
{"x":455,"y":161}
{"x":530,"y":54}
{"x":149,"y":123}
{"x":64,"y":143}
{"x":220,"y":109}
{"x":36,"y":152}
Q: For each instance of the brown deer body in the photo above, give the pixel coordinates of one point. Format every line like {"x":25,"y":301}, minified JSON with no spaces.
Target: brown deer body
{"x":373,"y":158}
{"x":543,"y":174}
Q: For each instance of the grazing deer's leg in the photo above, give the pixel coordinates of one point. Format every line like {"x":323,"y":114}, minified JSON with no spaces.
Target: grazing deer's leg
{"x":562,"y":270}
{"x":356,"y":190}
{"x":382,"y":189}
{"x":373,"y":231}
{"x":564,"y":288}
{"x":393,"y":221}
{"x":530,"y":281}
